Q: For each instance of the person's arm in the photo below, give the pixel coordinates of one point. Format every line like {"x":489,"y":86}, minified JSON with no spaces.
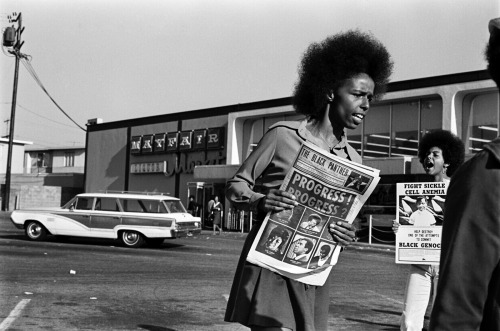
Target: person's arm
{"x":470,"y":252}
{"x":239,"y":189}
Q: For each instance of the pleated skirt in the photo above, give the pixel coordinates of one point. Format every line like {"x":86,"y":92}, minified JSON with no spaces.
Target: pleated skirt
{"x":260,"y":297}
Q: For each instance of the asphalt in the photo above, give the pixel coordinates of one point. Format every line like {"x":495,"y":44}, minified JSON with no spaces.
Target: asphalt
{"x":361,"y":246}
{"x":355,"y":245}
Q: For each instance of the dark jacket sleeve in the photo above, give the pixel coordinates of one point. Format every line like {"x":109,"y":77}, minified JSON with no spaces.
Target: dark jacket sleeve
{"x":467,"y":295}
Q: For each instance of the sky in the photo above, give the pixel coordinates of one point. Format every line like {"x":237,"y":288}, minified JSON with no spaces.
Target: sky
{"x":125,"y":59}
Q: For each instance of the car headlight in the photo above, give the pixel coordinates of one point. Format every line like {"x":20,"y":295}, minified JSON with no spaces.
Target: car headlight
{"x":196,"y":224}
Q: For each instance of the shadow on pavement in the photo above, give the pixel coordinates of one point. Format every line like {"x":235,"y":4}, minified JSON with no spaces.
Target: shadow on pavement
{"x":154,"y":328}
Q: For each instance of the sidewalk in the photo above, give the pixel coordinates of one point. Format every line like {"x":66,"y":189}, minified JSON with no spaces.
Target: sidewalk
{"x":357,"y":245}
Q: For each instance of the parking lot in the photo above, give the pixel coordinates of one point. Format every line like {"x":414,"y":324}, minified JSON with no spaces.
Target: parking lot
{"x":95,"y":284}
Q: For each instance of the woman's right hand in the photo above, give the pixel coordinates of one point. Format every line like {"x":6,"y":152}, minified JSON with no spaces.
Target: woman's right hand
{"x":277,"y":200}
{"x":395,"y":226}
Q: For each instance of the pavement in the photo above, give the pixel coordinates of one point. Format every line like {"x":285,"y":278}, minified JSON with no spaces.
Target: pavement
{"x":236,"y":235}
{"x":362,"y":246}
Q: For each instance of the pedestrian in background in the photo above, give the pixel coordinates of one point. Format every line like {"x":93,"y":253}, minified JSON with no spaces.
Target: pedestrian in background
{"x":217,"y":212}
{"x":338,"y":79}
{"x":468,"y":294}
{"x":440,"y":152}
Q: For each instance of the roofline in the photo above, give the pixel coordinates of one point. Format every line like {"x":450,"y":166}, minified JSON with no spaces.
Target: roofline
{"x":151,"y":196}
{"x":19,"y":142}
{"x":286,"y":101}
{"x":38,"y":149}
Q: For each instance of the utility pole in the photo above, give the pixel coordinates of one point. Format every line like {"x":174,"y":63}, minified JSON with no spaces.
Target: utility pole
{"x":12,"y":40}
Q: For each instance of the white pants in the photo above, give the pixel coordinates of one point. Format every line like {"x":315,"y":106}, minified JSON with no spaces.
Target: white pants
{"x":422,"y":280}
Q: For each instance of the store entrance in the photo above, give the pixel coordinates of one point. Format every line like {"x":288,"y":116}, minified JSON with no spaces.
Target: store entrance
{"x":203,"y":192}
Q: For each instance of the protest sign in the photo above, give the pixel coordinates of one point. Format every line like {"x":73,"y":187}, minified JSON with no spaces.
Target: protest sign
{"x":420,"y":213}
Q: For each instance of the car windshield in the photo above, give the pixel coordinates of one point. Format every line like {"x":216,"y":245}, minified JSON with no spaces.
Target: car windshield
{"x":174,"y":206}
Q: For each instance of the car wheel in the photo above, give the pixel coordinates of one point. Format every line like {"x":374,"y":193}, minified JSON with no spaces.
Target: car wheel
{"x":35,"y":231}
{"x":154,"y":242}
{"x":132,"y":239}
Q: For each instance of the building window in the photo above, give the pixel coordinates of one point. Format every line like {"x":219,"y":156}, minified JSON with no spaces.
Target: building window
{"x":69,"y":159}
{"x":42,"y":160}
{"x":480,"y":118}
{"x":394,"y":129}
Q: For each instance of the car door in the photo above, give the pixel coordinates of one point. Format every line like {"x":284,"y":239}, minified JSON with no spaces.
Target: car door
{"x":105,"y":217}
{"x":76,"y":219}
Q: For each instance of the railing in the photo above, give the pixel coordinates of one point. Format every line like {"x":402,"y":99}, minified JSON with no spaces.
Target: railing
{"x":238,"y":220}
{"x":379,"y":228}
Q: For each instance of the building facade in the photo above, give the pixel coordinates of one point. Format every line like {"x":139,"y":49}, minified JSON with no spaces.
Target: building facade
{"x":194,"y":152}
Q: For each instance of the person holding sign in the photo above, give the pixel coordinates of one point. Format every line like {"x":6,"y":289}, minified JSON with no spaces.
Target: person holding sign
{"x":338,"y":78}
{"x":440,"y":152}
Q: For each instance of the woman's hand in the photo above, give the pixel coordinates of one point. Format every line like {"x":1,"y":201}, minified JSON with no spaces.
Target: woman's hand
{"x":277,"y":200}
{"x":342,"y":232}
{"x":395,"y":226}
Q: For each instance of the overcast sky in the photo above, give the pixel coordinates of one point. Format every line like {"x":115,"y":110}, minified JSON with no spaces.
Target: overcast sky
{"x":122,"y":59}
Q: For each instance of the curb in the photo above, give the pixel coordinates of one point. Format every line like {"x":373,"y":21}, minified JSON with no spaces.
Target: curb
{"x":362,"y":246}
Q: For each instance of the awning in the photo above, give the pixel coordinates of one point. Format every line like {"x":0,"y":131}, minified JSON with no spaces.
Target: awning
{"x":215,"y":173}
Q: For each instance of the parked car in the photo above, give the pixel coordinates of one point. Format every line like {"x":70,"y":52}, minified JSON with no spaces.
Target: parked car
{"x":134,"y":219}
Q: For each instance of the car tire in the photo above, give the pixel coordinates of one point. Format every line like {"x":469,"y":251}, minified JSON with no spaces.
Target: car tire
{"x":132,"y":239}
{"x":35,"y":231}
{"x":154,"y":242}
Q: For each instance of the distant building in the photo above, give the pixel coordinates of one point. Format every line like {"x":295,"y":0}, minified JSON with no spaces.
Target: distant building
{"x":54,"y":160}
{"x":42,"y":176}
{"x":17,"y":163}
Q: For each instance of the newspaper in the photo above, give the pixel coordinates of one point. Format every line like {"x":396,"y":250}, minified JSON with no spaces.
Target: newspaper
{"x":296,"y":243}
{"x":418,"y":240}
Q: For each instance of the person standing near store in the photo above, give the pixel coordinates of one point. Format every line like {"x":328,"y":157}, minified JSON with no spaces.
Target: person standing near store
{"x":338,"y":78}
{"x":440,"y":152}
{"x":209,"y":209}
{"x":192,"y":206}
{"x":217,"y":211}
{"x":468,"y":294}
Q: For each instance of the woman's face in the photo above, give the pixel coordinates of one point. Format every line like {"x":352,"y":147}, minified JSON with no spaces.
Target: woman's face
{"x":434,"y":162}
{"x":351,"y":102}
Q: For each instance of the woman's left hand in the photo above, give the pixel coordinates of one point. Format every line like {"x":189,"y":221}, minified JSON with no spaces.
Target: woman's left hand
{"x":342,"y":232}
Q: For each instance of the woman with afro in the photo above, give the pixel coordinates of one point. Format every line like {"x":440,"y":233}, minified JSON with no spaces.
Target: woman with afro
{"x":338,"y":79}
{"x":441,"y":153}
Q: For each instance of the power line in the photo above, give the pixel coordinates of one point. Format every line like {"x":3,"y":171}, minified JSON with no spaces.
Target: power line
{"x":33,"y":74}
{"x":48,"y":119}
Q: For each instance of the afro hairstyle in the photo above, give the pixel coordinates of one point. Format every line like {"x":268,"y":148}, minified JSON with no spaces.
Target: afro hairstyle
{"x":327,"y":64}
{"x":492,"y":52}
{"x":452,"y":146}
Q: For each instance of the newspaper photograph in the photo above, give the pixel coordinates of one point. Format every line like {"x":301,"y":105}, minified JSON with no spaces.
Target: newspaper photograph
{"x":420,"y":215}
{"x":296,"y":243}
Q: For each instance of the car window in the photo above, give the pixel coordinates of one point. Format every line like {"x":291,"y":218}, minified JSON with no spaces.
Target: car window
{"x":106,"y":204}
{"x":153,"y":206}
{"x":84,"y":203}
{"x":132,"y":206}
{"x":174,"y":206}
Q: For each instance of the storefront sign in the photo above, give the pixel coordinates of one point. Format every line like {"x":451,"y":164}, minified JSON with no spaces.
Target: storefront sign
{"x":147,"y":144}
{"x":148,"y":167}
{"x":172,"y":141}
{"x":170,"y":168}
{"x":199,"y":139}
{"x":159,"y":143}
{"x":184,"y":141}
{"x":135,"y":145}
{"x":185,"y":138}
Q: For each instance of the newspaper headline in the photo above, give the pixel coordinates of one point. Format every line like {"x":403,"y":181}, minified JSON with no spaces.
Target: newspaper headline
{"x":296,"y":243}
